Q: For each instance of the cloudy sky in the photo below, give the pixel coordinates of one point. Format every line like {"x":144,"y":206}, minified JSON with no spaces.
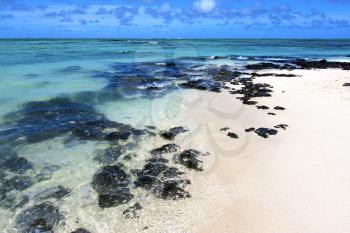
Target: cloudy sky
{"x":175,"y":19}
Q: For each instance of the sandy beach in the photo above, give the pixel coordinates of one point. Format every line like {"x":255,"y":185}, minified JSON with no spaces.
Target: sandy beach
{"x":155,"y":116}
{"x":209,"y":142}
{"x":295,"y":181}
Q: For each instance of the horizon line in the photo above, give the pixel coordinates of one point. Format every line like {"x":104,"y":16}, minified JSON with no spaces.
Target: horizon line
{"x":177,"y":38}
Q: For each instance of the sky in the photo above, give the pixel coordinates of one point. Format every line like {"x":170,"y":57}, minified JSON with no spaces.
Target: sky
{"x":175,"y":19}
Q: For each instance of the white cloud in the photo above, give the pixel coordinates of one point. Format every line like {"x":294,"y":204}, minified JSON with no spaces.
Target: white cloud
{"x":204,"y":6}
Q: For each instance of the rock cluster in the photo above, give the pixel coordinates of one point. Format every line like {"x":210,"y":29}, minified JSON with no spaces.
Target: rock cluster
{"x":164,"y":181}
{"x":111,"y":184}
{"x":321,"y":64}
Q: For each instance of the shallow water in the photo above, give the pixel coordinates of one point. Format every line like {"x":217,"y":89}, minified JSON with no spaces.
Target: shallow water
{"x":130,"y":82}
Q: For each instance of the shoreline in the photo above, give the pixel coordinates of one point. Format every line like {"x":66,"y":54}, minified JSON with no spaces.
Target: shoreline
{"x":295,"y":181}
{"x":249,"y":129}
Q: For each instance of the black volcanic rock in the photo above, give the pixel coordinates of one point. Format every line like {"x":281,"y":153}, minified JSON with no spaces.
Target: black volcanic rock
{"x":249,"y":102}
{"x":263,"y":107}
{"x":224,"y":74}
{"x":273,"y":74}
{"x":168,"y":148}
{"x":321,"y":64}
{"x":232,"y":135}
{"x":172,"y":190}
{"x":281,"y":126}
{"x":202,"y":84}
{"x":162,"y":180}
{"x":189,"y":158}
{"x":279,"y":108}
{"x":250,"y":130}
{"x":81,"y":230}
{"x":265,"y":132}
{"x":262,"y":66}
{"x":286,"y":75}
{"x":115,"y":136}
{"x":173,"y":132}
{"x":251,"y":90}
{"x":111,"y":185}
{"x":114,"y":197}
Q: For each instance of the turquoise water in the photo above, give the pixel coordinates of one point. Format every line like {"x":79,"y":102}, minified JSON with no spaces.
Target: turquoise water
{"x":59,"y":96}
{"x":35,"y":69}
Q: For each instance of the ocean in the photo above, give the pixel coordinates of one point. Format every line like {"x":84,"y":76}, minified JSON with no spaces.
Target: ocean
{"x":77,"y":112}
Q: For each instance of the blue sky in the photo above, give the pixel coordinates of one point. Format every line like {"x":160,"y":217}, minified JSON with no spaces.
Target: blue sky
{"x":175,"y":19}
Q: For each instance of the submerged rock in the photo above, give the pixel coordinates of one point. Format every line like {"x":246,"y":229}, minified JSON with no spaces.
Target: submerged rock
{"x":13,"y":200}
{"x":189,"y":158}
{"x":131,"y":212}
{"x":13,"y":184}
{"x":71,"y":69}
{"x":203,"y":84}
{"x":269,"y":65}
{"x":224,"y":74}
{"x":109,"y":155}
{"x":39,"y":218}
{"x":110,"y":177}
{"x":81,"y":230}
{"x":57,"y":193}
{"x":111,"y":185}
{"x":263,"y":65}
{"x":115,"y":136}
{"x":114,"y":198}
{"x":172,"y":190}
{"x":168,"y":148}
{"x":265,"y":132}
{"x":173,"y":132}
{"x":42,"y":120}
{"x":162,"y":180}
{"x":11,"y":162}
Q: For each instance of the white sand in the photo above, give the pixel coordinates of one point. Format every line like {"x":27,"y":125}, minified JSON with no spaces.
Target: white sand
{"x":297,"y":181}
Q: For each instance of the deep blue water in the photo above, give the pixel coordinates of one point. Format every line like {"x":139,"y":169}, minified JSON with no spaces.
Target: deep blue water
{"x":27,"y":51}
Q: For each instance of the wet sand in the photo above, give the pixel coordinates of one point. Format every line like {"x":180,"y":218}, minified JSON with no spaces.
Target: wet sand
{"x":295,"y":181}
